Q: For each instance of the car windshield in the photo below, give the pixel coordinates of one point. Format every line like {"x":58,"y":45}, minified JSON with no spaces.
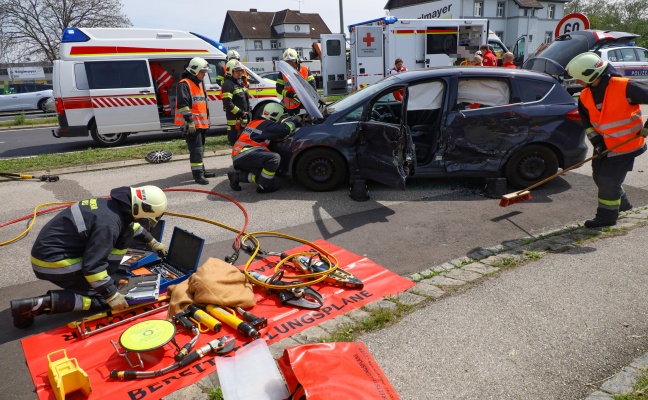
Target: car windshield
{"x":562,"y":51}
{"x":368,"y":91}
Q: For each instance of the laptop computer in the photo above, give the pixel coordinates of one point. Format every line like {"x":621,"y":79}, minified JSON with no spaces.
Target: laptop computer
{"x":182,"y":260}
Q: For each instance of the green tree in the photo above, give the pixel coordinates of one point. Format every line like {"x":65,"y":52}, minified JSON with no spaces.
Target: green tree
{"x":33,"y":28}
{"x":618,"y":15}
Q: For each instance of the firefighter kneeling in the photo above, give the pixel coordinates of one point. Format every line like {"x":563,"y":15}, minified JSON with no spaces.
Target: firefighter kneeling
{"x":252,"y":159}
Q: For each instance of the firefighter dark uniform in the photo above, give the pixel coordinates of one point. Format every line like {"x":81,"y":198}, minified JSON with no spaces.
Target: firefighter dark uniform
{"x":291,"y":102}
{"x":80,"y":250}
{"x":611,"y":114}
{"x":252,"y":159}
{"x":236,"y":105}
{"x":163,"y":81}
{"x":191,"y":96}
{"x":220,"y":78}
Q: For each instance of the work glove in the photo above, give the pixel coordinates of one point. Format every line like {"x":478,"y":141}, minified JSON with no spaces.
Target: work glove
{"x":290,"y":94}
{"x":598,"y":150}
{"x":158,"y":247}
{"x":117,"y":301}
{"x":643,"y":132}
{"x":191,"y":128}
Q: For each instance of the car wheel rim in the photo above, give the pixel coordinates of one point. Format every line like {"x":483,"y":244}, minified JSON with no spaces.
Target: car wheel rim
{"x":320,"y":170}
{"x":110,"y":138}
{"x":531,"y":167}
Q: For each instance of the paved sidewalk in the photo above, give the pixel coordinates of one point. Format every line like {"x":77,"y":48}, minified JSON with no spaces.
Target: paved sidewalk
{"x":559,"y":316}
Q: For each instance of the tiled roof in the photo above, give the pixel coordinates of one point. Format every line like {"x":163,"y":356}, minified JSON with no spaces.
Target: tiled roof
{"x":528,"y":3}
{"x":259,"y":24}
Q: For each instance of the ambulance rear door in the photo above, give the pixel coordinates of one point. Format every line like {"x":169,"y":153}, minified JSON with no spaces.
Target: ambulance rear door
{"x":369,"y":53}
{"x":441,"y":45}
{"x":214,"y":93}
{"x":122,"y":96}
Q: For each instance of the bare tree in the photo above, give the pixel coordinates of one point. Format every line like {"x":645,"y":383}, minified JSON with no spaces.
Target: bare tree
{"x":33,"y":28}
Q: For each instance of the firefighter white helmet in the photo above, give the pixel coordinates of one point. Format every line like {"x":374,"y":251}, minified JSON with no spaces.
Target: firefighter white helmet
{"x":290,"y":55}
{"x":586,"y":67}
{"x":233,"y":54}
{"x":233,"y":65}
{"x":148,"y":202}
{"x":273,"y":111}
{"x":196,"y":65}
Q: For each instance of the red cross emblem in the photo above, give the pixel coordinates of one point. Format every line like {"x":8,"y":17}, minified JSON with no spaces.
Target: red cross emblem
{"x":368,"y":39}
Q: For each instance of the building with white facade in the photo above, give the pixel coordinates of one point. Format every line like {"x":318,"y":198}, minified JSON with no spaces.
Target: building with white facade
{"x":263,"y":36}
{"x":509,"y":19}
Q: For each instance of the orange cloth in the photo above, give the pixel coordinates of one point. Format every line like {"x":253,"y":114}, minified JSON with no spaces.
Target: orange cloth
{"x":163,"y":81}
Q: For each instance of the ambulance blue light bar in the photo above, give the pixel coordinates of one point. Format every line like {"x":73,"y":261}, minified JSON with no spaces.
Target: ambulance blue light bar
{"x":71,"y":35}
{"x":381,"y":21}
{"x":212,"y":42}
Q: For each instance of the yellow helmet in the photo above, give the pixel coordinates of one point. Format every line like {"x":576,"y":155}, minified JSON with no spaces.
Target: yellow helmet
{"x":273,"y":111}
{"x":197,"y":64}
{"x":233,"y":54}
{"x":148,"y":202}
{"x":232,"y":65}
{"x":290,"y":55}
{"x":586,"y":67}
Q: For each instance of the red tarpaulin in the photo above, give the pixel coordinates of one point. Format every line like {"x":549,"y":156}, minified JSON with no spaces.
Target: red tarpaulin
{"x":97,"y":356}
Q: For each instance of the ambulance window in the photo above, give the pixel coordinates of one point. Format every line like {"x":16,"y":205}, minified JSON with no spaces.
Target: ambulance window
{"x":80,"y":77}
{"x":118,"y":74}
{"x":213,"y":74}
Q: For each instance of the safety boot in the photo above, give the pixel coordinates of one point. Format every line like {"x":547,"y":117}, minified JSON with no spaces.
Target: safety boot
{"x":599,"y":222}
{"x":625,"y":205}
{"x":23,"y":311}
{"x":208,"y":174}
{"x":267,"y":189}
{"x":199,"y":177}
{"x":234,"y":180}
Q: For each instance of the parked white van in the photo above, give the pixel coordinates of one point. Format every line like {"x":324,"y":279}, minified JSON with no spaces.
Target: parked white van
{"x":103,"y":85}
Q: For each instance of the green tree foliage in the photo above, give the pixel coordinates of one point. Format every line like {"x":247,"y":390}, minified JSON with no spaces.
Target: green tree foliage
{"x":616,"y":15}
{"x":32,"y":29}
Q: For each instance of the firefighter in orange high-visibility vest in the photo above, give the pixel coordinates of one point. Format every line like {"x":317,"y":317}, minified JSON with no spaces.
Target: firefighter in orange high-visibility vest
{"x":290,"y":100}
{"x":163,"y":81}
{"x":610,"y":113}
{"x":193,"y":116}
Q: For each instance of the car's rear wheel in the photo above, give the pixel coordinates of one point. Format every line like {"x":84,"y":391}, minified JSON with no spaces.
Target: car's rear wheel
{"x":321,"y":170}
{"x":107,"y":140}
{"x":530,"y":165}
{"x":42,"y":105}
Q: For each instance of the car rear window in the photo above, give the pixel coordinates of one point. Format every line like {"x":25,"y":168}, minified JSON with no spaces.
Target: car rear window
{"x":564,"y":50}
{"x":533,"y":90}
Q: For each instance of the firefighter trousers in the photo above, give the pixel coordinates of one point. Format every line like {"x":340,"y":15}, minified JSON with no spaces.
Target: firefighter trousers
{"x":196,"y":146}
{"x":262,"y":165}
{"x":609,"y":174}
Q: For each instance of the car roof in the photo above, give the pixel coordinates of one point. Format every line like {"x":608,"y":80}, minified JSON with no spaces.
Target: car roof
{"x":475,"y":71}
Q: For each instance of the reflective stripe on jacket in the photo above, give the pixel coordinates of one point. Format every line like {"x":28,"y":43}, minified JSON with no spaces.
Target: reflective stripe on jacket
{"x":198,"y":106}
{"x":245,"y":143}
{"x":617,"y":120}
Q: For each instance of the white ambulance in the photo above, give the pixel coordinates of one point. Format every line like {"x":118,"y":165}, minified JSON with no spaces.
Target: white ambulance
{"x":420,"y":43}
{"x":103,"y":85}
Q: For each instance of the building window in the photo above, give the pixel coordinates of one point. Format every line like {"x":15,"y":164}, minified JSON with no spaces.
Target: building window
{"x":551,"y":11}
{"x":259,"y":59}
{"x":258,"y":45}
{"x":500,"y":34}
{"x":529,"y":12}
{"x":300,"y":52}
{"x":479,"y":9}
{"x":274,"y":45}
{"x":500,"y":9}
{"x":275,"y":58}
{"x":548,"y":36}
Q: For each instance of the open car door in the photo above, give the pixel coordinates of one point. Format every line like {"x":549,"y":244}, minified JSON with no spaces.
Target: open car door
{"x":385,"y":151}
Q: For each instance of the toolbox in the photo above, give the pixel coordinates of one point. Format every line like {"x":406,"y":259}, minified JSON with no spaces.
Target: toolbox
{"x":140,"y":255}
{"x":139,"y":289}
{"x":182,"y":260}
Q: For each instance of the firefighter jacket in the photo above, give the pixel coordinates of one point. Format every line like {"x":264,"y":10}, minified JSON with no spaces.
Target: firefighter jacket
{"x":86,"y":240}
{"x":285,"y":89}
{"x":220,"y":77}
{"x":617,"y":120}
{"x":258,"y":134}
{"x":235,"y":99}
{"x":191,"y":103}
{"x":163,"y":82}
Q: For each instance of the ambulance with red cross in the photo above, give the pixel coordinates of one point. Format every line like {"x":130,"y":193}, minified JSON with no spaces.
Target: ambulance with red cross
{"x":375,"y":45}
{"x":103,"y":85}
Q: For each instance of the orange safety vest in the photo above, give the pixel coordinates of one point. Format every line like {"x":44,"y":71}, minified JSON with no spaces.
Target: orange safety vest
{"x":198,"y":107}
{"x":244,"y":142}
{"x":293,"y":103}
{"x":618,"y":120}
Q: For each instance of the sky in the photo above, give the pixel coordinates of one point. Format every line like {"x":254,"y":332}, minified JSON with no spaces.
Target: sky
{"x":210,"y":14}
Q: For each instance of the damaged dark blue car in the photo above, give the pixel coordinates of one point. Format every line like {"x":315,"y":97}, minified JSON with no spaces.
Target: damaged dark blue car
{"x":452,"y":122}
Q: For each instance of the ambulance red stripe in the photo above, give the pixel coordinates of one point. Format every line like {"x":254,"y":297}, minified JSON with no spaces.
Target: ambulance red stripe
{"x":108,"y":50}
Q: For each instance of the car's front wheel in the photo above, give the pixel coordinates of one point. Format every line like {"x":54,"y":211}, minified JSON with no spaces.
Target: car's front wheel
{"x":530,"y":165}
{"x":108,"y":139}
{"x":321,"y":170}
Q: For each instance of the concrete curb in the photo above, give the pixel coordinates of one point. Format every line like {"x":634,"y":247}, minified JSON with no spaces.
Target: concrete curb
{"x":18,"y":127}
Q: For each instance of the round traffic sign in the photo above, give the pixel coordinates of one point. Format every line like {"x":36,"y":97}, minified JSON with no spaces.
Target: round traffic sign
{"x":570,"y":23}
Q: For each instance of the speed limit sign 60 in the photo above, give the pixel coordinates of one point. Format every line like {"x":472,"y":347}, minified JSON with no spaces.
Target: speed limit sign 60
{"x":570,"y":23}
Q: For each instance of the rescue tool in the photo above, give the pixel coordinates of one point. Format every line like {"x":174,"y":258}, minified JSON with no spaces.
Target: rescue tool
{"x":302,"y":297}
{"x":338,"y":277}
{"x":525,"y":194}
{"x":42,"y":178}
{"x":228,"y":316}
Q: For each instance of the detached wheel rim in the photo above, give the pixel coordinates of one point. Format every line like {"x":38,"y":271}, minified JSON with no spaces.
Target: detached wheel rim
{"x":532,"y":167}
{"x":320,"y":169}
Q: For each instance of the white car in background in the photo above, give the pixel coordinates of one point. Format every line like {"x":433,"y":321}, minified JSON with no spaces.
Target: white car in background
{"x":25,"y":96}
{"x":629,"y":61}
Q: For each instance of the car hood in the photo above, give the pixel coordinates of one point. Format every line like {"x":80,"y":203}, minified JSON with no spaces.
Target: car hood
{"x":306,"y":93}
{"x":558,"y":54}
